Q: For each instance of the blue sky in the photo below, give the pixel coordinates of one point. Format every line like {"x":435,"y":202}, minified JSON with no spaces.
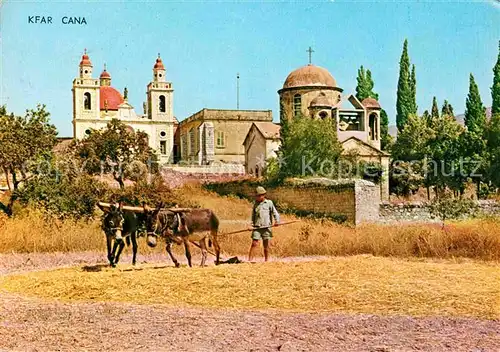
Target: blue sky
{"x":204,"y":44}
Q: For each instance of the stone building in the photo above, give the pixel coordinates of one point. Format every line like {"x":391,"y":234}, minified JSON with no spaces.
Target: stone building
{"x":216,"y":136}
{"x":311,"y":91}
{"x":96,"y":102}
{"x":261,"y":144}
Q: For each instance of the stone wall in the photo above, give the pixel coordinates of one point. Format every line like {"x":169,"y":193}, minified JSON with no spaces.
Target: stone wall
{"x":419,"y":211}
{"x":355,"y":200}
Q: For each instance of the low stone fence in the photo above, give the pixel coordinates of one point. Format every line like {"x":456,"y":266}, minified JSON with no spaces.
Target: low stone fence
{"x":419,"y":211}
{"x":354,"y":201}
{"x":177,"y":176}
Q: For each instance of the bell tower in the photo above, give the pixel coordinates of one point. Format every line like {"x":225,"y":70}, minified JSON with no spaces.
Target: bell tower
{"x":85,"y":98}
{"x":160,"y":112}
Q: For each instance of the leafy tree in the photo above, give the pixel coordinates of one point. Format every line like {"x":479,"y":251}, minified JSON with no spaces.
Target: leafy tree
{"x":495,"y":89}
{"x":435,"y":109}
{"x":310,"y":146}
{"x":24,"y":141}
{"x":475,"y":115}
{"x":116,"y":150}
{"x":443,"y":160}
{"x":409,"y":153}
{"x":449,"y":208}
{"x":447,"y":109}
{"x":406,"y":93}
{"x":493,"y":140}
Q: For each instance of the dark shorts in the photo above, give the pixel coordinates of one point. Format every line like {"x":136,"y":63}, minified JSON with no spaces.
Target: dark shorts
{"x":262,"y":234}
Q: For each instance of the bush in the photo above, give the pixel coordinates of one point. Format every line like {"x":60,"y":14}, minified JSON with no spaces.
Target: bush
{"x":448,"y":208}
{"x":62,"y":197}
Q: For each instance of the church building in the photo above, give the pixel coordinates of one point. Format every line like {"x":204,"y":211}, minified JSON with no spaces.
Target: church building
{"x":96,"y":102}
{"x":311,"y":91}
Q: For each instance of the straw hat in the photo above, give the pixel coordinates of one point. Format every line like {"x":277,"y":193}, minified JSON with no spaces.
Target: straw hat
{"x":260,"y":190}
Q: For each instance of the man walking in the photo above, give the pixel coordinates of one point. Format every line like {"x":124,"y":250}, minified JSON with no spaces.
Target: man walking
{"x":262,"y":213}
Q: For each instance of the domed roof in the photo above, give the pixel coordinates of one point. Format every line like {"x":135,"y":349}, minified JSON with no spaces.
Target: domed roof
{"x":321,"y":101}
{"x":370,"y":103}
{"x":85,"y":60}
{"x":111,"y":97}
{"x":310,"y":75}
{"x":105,"y":74}
{"x":159,"y":64}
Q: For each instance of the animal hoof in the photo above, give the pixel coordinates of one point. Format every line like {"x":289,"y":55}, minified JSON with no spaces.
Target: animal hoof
{"x":177,"y":265}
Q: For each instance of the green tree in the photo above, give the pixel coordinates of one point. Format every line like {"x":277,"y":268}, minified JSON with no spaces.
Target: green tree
{"x":413,"y":90}
{"x":365,"y":84}
{"x":493,"y":140}
{"x":408,"y":156}
{"x":475,"y":115}
{"x":24,"y":142}
{"x":364,"y":89}
{"x":447,"y":109}
{"x":386,"y":140}
{"x":495,"y":89}
{"x":435,"y":109}
{"x":116,"y":150}
{"x":310,"y":147}
{"x":405,"y":101}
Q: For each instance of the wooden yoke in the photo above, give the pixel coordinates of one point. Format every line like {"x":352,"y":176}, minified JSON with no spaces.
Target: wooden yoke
{"x":104,"y":205}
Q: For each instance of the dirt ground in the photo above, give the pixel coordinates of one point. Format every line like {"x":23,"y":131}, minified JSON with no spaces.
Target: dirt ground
{"x":31,"y":324}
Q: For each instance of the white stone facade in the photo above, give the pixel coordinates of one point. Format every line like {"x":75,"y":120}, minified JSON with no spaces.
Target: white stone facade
{"x":106,"y":103}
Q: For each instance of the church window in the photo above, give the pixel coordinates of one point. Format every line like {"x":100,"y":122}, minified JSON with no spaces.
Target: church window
{"x":220,"y":139}
{"x":86,"y":101}
{"x":163,"y":147}
{"x":87,"y":132}
{"x":373,"y":127}
{"x":163,"y":134}
{"x":162,"y":103}
{"x":323,"y":115}
{"x":86,"y":71}
{"x":297,"y":104}
{"x":159,"y":74}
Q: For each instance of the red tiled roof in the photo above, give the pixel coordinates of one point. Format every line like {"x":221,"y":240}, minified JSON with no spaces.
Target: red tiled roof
{"x":111,"y":96}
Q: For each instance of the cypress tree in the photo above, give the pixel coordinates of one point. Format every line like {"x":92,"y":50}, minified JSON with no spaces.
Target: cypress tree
{"x":364,"y":88}
{"x":413,"y":89}
{"x":385,"y":138}
{"x":495,"y":89}
{"x":435,"y":109}
{"x":475,"y":115}
{"x":404,"y":93}
{"x":361,"y":88}
{"x":447,"y":109}
{"x":370,"y":85}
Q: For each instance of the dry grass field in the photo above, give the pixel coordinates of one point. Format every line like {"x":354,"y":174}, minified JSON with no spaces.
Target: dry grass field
{"x":386,"y":288}
{"x":357,"y":284}
{"x":479,"y":239}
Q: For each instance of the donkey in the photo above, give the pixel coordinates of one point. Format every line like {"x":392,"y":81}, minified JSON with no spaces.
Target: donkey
{"x":119,"y":225}
{"x":179,"y":227}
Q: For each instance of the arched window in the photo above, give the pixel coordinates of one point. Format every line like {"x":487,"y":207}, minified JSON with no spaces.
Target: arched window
{"x":373,"y":127}
{"x":162,"y":103}
{"x":86,"y":101}
{"x":323,"y":115}
{"x":297,"y":104}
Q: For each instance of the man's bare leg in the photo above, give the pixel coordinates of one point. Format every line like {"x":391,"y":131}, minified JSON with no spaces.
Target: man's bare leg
{"x":266,"y":249}
{"x":251,"y":253}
